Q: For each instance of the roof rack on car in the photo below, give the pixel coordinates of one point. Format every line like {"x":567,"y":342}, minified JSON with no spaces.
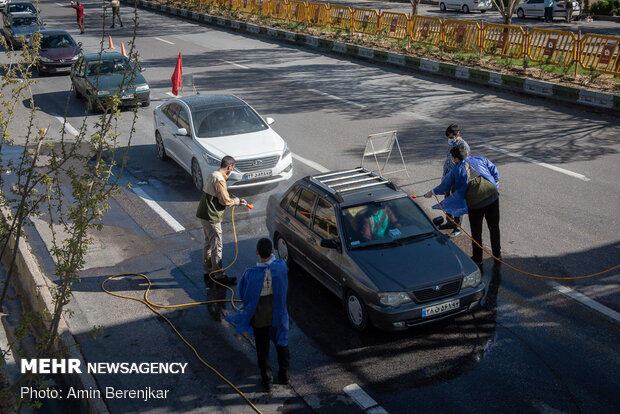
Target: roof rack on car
{"x":348,"y":180}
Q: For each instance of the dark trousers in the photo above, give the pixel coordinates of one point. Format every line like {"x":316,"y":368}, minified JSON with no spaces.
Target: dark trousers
{"x":263,"y":336}
{"x":116,"y":13}
{"x":491,"y":214}
{"x":549,"y":14}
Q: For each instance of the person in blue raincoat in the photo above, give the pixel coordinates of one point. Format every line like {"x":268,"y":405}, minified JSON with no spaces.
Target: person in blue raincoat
{"x":475,"y":180}
{"x":263,"y":289}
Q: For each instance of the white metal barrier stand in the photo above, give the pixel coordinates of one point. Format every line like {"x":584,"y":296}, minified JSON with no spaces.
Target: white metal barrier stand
{"x":382,"y":145}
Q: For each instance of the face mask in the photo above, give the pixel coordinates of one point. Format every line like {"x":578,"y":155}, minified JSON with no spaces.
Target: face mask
{"x":450,"y":141}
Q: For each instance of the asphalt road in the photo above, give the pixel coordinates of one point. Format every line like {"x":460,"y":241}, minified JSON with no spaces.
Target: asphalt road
{"x":529,"y":349}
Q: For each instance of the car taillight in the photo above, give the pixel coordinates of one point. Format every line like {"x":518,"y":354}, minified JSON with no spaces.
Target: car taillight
{"x":475,"y":1}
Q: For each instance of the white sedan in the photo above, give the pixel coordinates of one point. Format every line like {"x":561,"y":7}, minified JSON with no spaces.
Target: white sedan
{"x":198,"y":131}
{"x":466,"y":5}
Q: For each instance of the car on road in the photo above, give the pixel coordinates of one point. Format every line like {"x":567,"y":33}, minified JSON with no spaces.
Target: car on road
{"x":18,"y":7}
{"x":98,"y":77}
{"x":370,"y":244}
{"x":198,"y":131}
{"x":536,"y":8}
{"x":21,"y":27}
{"x":466,"y":5}
{"x":58,"y":52}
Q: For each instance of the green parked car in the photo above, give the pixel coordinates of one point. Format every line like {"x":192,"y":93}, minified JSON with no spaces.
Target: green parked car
{"x":99,"y":77}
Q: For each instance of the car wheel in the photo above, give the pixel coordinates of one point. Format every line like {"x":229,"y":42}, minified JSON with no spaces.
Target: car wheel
{"x":146,"y":103}
{"x":482,"y":11}
{"x":520,"y":14}
{"x":159,"y":144}
{"x":442,"y":7}
{"x":283,"y":250}
{"x":465,"y":9}
{"x":356,"y":311}
{"x":197,"y":174}
{"x":78,"y":95}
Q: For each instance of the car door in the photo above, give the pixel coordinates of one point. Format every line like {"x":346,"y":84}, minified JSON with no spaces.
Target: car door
{"x":167,"y":127}
{"x":184,"y":145}
{"x":326,"y":260}
{"x":77,"y":77}
{"x":534,"y":8}
{"x":301,"y":237}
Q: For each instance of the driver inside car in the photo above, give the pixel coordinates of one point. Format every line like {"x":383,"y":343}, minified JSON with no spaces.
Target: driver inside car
{"x":376,"y":222}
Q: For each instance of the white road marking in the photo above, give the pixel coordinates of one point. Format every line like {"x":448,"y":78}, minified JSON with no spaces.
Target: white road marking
{"x":541,"y":164}
{"x":61,"y":5}
{"x":162,"y":40}
{"x":362,"y":399}
{"x":337,"y":98}
{"x":68,"y":127}
{"x":580,"y":297}
{"x":175,"y":225}
{"x":234,"y":64}
{"x":310,"y":163}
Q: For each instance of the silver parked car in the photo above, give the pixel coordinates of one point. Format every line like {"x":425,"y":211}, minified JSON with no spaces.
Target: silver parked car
{"x":198,"y":131}
{"x":536,"y":8}
{"x":466,"y":5}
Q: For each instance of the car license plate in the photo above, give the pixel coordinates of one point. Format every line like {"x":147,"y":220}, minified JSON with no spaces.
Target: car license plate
{"x":126,"y":97}
{"x":441,"y":308}
{"x":257,"y":174}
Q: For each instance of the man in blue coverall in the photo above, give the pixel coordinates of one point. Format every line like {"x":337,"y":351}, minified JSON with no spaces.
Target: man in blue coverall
{"x":475,"y":180}
{"x":263,"y":289}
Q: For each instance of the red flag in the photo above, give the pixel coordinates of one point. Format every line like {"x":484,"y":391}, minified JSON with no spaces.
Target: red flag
{"x":176,"y":76}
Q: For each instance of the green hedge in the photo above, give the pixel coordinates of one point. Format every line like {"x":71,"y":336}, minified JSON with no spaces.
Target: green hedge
{"x":605,"y":7}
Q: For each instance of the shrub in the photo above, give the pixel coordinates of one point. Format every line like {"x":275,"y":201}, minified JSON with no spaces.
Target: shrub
{"x":605,"y":7}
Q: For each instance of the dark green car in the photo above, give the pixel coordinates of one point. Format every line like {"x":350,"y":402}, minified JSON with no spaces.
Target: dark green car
{"x":99,"y":77}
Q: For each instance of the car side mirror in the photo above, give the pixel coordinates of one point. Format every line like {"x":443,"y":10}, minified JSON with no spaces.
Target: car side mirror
{"x":270,"y":120}
{"x":330,"y":244}
{"x":438,"y":220}
{"x":181,"y":132}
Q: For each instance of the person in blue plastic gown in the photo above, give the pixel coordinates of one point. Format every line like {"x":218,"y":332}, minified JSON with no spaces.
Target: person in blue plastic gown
{"x":480,"y":201}
{"x":263,"y":289}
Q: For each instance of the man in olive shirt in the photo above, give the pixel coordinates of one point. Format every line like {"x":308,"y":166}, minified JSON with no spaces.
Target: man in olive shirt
{"x":215,"y":199}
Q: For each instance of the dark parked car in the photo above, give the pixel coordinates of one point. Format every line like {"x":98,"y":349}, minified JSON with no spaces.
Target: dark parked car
{"x":370,"y":243}
{"x":98,"y":77}
{"x":18,"y":7}
{"x":21,"y":27}
{"x":58,"y":52}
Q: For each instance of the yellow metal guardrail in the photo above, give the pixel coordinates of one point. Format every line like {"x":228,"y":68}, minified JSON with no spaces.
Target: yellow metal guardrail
{"x":600,"y":53}
{"x":461,"y":34}
{"x":504,"y":40}
{"x":365,"y":21}
{"x":592,"y":51}
{"x":551,"y":46}
{"x":426,"y":29}
{"x":394,"y":25}
{"x":318,"y":14}
{"x":340,"y":17}
{"x":297,"y":11}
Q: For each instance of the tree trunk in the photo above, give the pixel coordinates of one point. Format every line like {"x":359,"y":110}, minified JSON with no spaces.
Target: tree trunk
{"x":414,"y":6}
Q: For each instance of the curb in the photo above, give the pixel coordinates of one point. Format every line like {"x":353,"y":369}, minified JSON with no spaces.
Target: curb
{"x":33,"y":287}
{"x":480,"y":77}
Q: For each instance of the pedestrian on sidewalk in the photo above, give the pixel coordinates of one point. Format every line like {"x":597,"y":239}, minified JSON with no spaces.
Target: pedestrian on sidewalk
{"x":548,"y":4}
{"x":214,"y":200}
{"x":569,"y":11}
{"x":453,"y":133}
{"x":116,"y":12}
{"x":79,"y":11}
{"x":263,"y":289}
{"x":475,"y":180}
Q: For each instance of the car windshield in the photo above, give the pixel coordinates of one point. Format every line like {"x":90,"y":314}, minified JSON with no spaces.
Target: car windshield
{"x":17,"y":8}
{"x":107,"y":66}
{"x":25,"y":21}
{"x":390,"y":221}
{"x":231,"y":120}
{"x":57,"y":40}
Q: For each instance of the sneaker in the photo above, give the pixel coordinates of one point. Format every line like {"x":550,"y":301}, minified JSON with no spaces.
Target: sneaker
{"x":283,"y":379}
{"x":225,"y":279}
{"x":456,"y":232}
{"x":447,"y":226}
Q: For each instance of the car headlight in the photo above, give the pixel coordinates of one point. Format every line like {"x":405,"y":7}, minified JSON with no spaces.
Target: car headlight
{"x":143,"y":87}
{"x":211,"y":160}
{"x":44,"y":59}
{"x":76,"y":56}
{"x":393,"y":299}
{"x":286,"y":151}
{"x":472,"y":280}
{"x":103,"y":93}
